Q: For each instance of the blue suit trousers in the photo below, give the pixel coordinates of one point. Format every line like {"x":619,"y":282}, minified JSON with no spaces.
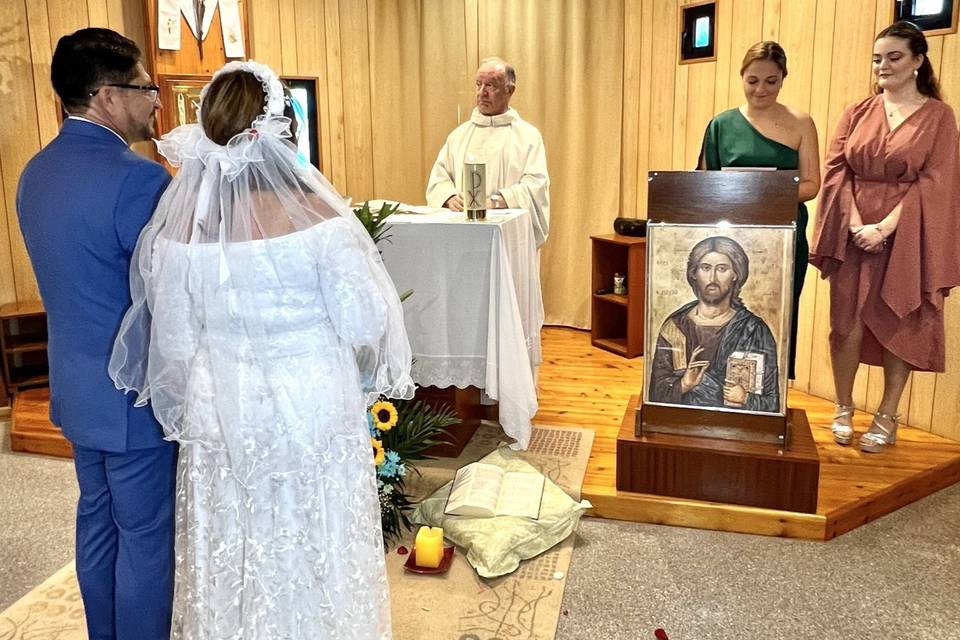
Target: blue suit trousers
{"x":125,"y":536}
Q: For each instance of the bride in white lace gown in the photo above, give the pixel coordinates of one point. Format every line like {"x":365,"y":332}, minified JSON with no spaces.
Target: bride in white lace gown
{"x":263,"y":322}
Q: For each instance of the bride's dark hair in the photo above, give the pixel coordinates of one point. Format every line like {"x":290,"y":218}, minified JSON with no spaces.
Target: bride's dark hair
{"x":232,"y":102}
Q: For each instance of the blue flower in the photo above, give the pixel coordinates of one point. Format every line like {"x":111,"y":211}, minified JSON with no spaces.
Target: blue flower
{"x":372,"y":429}
{"x":392,"y":466}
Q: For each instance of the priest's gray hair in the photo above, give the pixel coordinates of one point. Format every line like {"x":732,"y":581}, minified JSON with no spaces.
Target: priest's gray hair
{"x":510,"y":74}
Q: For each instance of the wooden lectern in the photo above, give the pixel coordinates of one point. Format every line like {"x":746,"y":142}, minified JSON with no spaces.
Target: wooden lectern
{"x":753,"y":459}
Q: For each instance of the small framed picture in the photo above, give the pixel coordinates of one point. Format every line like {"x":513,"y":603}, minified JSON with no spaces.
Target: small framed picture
{"x":718,"y":316}
{"x":303,"y":90}
{"x":933,"y":17}
{"x":698,"y":31}
{"x":180,"y":97}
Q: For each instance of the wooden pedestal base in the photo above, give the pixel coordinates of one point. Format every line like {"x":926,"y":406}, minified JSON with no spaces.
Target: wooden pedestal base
{"x":745,"y":473}
{"x":30,"y":428}
{"x":466,"y":403}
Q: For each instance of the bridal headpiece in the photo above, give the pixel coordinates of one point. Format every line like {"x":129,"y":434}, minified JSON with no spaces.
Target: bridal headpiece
{"x":272,"y":87}
{"x":189,"y":141}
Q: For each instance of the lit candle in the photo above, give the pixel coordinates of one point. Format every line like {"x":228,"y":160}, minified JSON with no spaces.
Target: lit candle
{"x":429,"y":547}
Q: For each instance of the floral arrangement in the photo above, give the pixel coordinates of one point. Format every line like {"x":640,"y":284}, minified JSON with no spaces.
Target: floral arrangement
{"x":401,"y":431}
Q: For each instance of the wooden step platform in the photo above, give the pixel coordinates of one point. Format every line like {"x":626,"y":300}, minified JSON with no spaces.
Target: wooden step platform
{"x":583,"y":386}
{"x":30,"y":428}
{"x":587,"y":387}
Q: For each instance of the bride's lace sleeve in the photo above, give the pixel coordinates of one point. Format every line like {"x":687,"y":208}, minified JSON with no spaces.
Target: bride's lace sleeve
{"x":352,"y":300}
{"x":362,"y":304}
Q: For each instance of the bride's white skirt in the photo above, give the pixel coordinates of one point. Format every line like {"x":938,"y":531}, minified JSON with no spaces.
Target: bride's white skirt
{"x":288,"y":546}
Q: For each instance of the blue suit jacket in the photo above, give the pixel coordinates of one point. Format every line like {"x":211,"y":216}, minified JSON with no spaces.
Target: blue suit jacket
{"x":82,"y":202}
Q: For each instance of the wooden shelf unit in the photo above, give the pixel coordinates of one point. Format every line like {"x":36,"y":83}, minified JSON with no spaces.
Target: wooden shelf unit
{"x":616,"y":321}
{"x":23,"y":345}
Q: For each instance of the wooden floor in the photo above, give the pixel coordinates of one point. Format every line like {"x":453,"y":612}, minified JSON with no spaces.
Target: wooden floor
{"x":587,"y":387}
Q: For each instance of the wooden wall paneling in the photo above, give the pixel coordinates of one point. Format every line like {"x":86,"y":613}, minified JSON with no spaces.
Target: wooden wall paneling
{"x":8,"y":286}
{"x":816,"y":350}
{"x":128,"y":17}
{"x":187,"y":59}
{"x":266,"y":40}
{"x":97,"y":13}
{"x":312,"y":61}
{"x":632,"y":95}
{"x":680,"y":117}
{"x":289,"y":38}
{"x":396,"y":102}
{"x":920,"y":395}
{"x":883,"y":15}
{"x":450,"y":69}
{"x":65,"y":16}
{"x":949,"y":77}
{"x":797,"y":22}
{"x":771,"y":19}
{"x":725,"y":56}
{"x":358,"y":134}
{"x":41,"y":54}
{"x":936,"y":405}
{"x":644,"y":105}
{"x":338,"y":149}
{"x":681,"y":114}
{"x":747,"y":26}
{"x":701,"y":84}
{"x":662,"y":86}
{"x":945,"y":414}
{"x":18,"y":143}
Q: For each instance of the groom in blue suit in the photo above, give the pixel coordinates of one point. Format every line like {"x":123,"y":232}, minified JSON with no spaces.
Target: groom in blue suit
{"x":82,"y":201}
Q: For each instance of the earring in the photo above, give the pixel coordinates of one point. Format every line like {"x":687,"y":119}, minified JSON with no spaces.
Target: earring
{"x":916,"y":72}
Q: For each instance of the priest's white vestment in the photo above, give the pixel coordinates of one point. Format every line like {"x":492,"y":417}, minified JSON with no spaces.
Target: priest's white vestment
{"x":516,"y":165}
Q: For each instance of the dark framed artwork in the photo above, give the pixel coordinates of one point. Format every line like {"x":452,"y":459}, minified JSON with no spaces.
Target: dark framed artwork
{"x":180,"y":98}
{"x":698,"y":31}
{"x":933,"y":17}
{"x":303,"y":90}
{"x":717,"y":316}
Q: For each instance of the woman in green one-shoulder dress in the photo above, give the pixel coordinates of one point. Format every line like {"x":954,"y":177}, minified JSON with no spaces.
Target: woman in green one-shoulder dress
{"x":765,"y":133}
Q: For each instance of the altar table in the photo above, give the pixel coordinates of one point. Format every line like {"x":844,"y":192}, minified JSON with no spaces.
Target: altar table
{"x":476,"y":311}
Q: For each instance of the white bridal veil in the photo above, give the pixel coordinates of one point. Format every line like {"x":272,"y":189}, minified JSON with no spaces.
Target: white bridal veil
{"x":234,"y":238}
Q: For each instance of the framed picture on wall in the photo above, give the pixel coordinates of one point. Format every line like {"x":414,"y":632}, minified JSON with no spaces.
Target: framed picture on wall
{"x":180,"y":97}
{"x":933,"y":17}
{"x":698,"y":31}
{"x":303,"y":90}
{"x":717,"y":319}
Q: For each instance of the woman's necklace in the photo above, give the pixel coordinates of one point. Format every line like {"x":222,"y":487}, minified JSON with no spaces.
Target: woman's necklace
{"x":894,"y":109}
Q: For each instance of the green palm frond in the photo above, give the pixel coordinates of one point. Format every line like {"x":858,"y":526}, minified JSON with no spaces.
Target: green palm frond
{"x":375,"y":221}
{"x":418,"y":428}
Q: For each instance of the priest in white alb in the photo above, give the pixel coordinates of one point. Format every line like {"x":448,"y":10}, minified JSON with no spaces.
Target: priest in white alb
{"x":511,"y":148}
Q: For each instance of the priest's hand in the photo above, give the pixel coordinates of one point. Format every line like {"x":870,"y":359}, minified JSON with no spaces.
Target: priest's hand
{"x":496,"y":201}
{"x":454,"y":203}
{"x":733,"y":394}
{"x":694,"y":373}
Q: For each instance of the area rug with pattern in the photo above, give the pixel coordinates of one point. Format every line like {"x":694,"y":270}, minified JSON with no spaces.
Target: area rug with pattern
{"x":457,"y":605}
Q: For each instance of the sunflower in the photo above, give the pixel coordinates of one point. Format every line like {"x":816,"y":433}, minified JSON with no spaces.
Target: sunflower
{"x":384,"y":415}
{"x":378,"y":453}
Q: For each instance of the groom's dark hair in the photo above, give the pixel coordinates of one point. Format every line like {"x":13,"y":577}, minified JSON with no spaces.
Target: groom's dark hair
{"x":87,"y":59}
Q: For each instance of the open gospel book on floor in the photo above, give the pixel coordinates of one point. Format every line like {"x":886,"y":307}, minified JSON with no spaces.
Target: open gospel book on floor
{"x":484,"y":490}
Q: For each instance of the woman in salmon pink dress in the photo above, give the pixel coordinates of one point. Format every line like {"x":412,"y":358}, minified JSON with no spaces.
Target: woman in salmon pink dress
{"x":886,"y":233}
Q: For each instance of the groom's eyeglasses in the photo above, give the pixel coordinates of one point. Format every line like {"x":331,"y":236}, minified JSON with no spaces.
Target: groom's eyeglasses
{"x":149,"y":90}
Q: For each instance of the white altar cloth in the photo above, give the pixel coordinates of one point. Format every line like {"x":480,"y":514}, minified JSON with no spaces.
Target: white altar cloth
{"x":475,"y":315}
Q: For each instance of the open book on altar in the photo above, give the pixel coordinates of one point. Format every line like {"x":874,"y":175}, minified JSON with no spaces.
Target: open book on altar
{"x":484,"y":490}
